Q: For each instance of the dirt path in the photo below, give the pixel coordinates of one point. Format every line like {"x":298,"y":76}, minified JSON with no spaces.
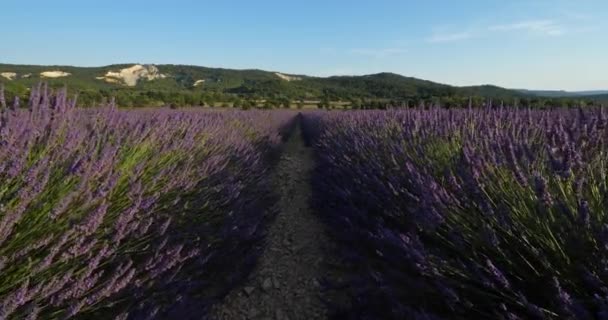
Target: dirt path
{"x":285,"y":284}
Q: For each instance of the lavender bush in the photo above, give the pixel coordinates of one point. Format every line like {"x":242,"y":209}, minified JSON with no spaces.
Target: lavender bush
{"x":134,"y":214}
{"x":467,"y":214}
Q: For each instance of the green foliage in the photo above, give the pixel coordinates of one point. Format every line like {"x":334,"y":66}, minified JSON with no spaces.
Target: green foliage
{"x":268,"y":104}
{"x":324,"y":103}
{"x":223,"y":85}
{"x":238,"y":103}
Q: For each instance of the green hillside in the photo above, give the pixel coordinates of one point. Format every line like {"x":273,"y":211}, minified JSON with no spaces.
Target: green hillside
{"x":194,"y":85}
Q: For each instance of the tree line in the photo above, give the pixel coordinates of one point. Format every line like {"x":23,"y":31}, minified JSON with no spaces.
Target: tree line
{"x":134,"y":98}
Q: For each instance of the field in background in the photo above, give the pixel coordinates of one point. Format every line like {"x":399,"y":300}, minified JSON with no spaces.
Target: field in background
{"x":432,"y":213}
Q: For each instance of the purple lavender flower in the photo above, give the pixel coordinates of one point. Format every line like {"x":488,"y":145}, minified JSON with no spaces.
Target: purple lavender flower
{"x":497,"y":275}
{"x":542,"y":191}
{"x":11,"y":302}
{"x":2,"y":99}
{"x":584,"y":214}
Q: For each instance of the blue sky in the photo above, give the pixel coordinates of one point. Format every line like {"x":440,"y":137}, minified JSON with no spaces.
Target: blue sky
{"x":535,"y":44}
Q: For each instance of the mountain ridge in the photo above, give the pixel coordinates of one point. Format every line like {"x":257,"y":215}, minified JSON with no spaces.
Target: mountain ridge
{"x":564,"y":93}
{"x":159,"y":81}
{"x":177,"y":71}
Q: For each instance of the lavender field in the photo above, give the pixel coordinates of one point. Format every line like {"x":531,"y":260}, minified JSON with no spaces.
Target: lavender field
{"x":466,"y":214}
{"x":129,"y":214}
{"x":109,"y":213}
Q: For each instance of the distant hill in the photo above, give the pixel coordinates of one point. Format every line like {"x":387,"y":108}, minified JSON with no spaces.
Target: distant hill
{"x":600,"y":97}
{"x":240,"y":82}
{"x":148,"y":85}
{"x":563,"y":94}
{"x":169,"y":77}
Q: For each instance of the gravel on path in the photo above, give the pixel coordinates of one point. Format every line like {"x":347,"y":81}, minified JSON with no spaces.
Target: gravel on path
{"x":286,"y":283}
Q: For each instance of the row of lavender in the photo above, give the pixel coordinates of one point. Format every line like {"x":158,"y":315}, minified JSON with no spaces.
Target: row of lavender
{"x":467,"y":214}
{"x":133,"y":214}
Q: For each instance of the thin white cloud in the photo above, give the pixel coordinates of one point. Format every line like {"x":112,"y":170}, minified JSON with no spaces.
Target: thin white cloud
{"x":449,"y":37}
{"x":578,"y":16}
{"x":378,"y":53}
{"x":537,"y":27}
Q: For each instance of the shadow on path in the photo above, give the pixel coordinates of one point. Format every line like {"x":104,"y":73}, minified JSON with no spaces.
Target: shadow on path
{"x":286,"y":282}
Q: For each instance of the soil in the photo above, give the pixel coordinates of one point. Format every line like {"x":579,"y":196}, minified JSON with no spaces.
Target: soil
{"x":286,"y":282}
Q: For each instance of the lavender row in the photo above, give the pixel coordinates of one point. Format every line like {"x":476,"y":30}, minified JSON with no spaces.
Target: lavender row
{"x":467,"y":214}
{"x":133,"y":214}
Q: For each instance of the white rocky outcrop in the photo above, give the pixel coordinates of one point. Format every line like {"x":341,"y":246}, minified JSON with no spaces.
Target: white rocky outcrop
{"x":130,"y":76}
{"x":54,"y":74}
{"x":287,"y":77}
{"x":9,"y":75}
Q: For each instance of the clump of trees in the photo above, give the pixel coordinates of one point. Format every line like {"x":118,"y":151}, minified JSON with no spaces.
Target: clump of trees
{"x":139,"y":97}
{"x":468,"y":102}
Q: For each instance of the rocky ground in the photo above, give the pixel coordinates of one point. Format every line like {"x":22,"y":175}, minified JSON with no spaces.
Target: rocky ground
{"x":286,"y":283}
